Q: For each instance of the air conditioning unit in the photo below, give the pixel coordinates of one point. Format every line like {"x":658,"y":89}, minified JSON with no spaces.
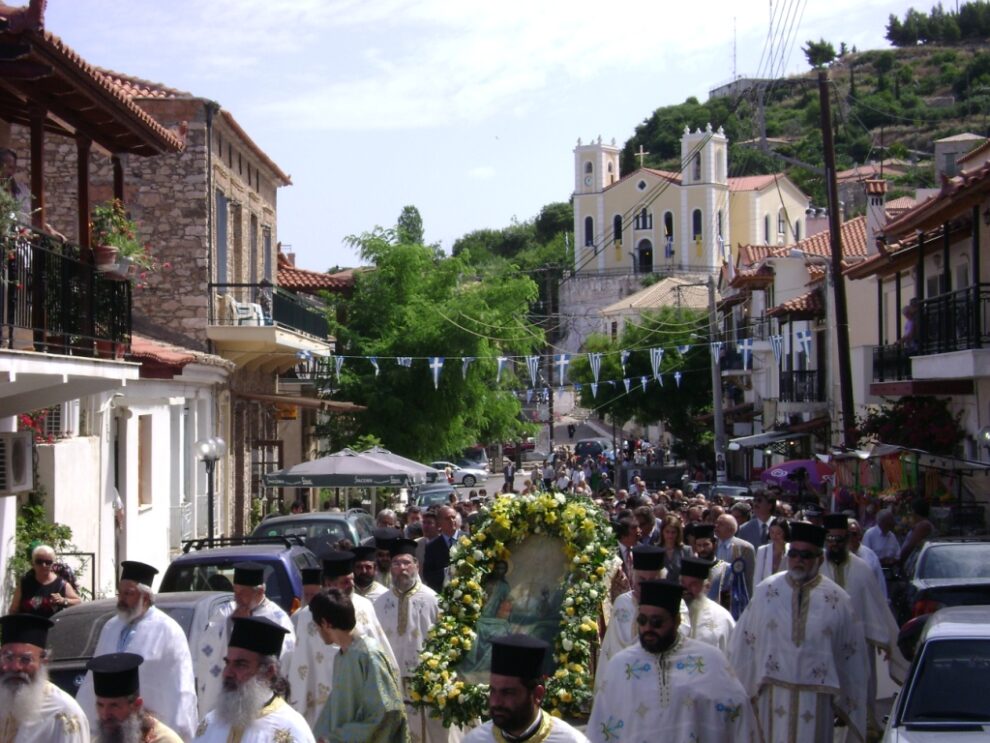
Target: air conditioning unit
{"x":16,"y":462}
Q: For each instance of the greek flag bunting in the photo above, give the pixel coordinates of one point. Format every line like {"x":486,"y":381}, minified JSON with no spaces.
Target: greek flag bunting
{"x":745,"y":347}
{"x":533,"y":364}
{"x":717,"y":349}
{"x":338,"y":361}
{"x":595,"y":360}
{"x":374,"y":363}
{"x":677,"y":378}
{"x":642,"y":383}
{"x":683,"y":349}
{"x":405,"y":361}
{"x":436,"y":364}
{"x":623,"y":358}
{"x":777,"y":346}
{"x":561,"y":360}
{"x":803,"y":337}
{"x":529,"y":396}
{"x":465,"y":363}
{"x":627,"y":383}
{"x":594,"y":390}
{"x":501,"y":365}
{"x":656,"y":358}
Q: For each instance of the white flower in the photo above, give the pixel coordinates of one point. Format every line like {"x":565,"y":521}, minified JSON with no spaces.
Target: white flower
{"x":568,"y":601}
{"x":568,"y":645}
{"x":560,"y":498}
{"x":479,"y":555}
{"x":593,"y":593}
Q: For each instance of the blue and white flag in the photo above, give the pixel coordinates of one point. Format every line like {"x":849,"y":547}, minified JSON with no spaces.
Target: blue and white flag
{"x":595,"y":361}
{"x":374,"y":362}
{"x":627,"y":383}
{"x":656,"y":358}
{"x":465,"y":363}
{"x":683,"y":349}
{"x":529,"y":396}
{"x":717,"y":349}
{"x":803,"y":338}
{"x":777,"y":346}
{"x":668,"y":246}
{"x":338,"y":361}
{"x":501,"y":365}
{"x":745,"y":347}
{"x":405,"y":361}
{"x":577,"y":387}
{"x":436,"y":364}
{"x":642,"y":383}
{"x":594,"y":390}
{"x":660,"y":379}
{"x":623,"y":358}
{"x":677,"y":378}
{"x":533,"y":365}
{"x":561,"y":360}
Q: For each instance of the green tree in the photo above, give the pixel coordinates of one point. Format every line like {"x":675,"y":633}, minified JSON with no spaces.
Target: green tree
{"x":554,"y":219}
{"x":409,"y":229}
{"x":414,"y":304}
{"x":819,"y":53}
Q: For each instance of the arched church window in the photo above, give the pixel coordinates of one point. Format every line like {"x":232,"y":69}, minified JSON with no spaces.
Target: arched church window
{"x":696,"y":232}
{"x":696,"y":176}
{"x":617,"y":228}
{"x":589,"y":231}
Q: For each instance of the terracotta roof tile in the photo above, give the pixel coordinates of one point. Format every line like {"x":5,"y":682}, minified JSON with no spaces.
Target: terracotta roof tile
{"x":300,"y":279}
{"x":853,"y":242}
{"x":944,"y":205}
{"x":753,"y":182}
{"x":748,"y":277}
{"x":161,"y":354}
{"x":809,"y":304}
{"x":900,"y":204}
{"x":750,"y":255}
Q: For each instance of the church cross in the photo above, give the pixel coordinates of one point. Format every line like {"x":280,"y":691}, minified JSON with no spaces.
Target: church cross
{"x":641,"y":155}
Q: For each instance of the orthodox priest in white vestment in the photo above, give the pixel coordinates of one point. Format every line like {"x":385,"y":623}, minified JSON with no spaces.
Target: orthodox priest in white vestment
{"x":800,"y":652}
{"x":701,"y":618}
{"x":309,"y":667}
{"x":166,"y":675}
{"x":249,"y":600}
{"x":407,"y":612}
{"x":669,"y":687}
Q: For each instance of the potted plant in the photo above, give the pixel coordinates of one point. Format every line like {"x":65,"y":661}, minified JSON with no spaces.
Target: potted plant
{"x":114,"y":236}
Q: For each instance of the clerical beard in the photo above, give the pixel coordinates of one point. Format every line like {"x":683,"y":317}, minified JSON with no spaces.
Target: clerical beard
{"x":404,"y":582}
{"x":364,"y":580}
{"x":129,"y":615}
{"x":654,"y":642}
{"x":239,"y":705}
{"x":130,"y":730}
{"x":836,"y":557}
{"x":20,"y":695}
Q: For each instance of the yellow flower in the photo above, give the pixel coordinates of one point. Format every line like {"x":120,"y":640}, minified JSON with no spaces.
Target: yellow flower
{"x":433,"y":663}
{"x":569,"y":611}
{"x":414,"y":695}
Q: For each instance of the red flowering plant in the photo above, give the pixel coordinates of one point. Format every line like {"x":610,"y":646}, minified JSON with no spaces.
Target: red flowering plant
{"x":36,"y":422}
{"x":111,"y":226}
{"x":915,"y":422}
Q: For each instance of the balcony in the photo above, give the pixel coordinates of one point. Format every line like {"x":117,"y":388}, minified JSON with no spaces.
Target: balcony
{"x":51,"y":300}
{"x":955,"y":321}
{"x":891,"y":363}
{"x":801,"y":387}
{"x":260,"y":326}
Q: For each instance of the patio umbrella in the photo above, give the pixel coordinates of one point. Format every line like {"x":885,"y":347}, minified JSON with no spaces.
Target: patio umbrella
{"x":422,"y":472}
{"x":781,"y":474}
{"x":343,"y":469}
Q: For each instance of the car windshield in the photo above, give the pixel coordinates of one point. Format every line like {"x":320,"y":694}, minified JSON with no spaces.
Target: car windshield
{"x":329,"y":531}
{"x":950,"y":683}
{"x":956,"y":561}
{"x":215,"y":576}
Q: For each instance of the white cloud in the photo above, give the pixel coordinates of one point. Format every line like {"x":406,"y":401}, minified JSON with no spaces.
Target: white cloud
{"x":482,"y":172}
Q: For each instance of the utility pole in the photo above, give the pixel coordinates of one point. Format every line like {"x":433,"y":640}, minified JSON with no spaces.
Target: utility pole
{"x":838,"y":283}
{"x":717,"y":413}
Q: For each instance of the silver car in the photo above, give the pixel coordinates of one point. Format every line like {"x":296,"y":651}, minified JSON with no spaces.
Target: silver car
{"x":944,"y":698}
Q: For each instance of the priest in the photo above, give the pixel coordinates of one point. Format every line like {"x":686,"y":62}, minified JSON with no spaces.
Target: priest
{"x":668,"y":686}
{"x":249,"y":708}
{"x":249,"y":600}
{"x":167,"y":684}
{"x":720,"y":576}
{"x":32,"y":708}
{"x":364,"y":573}
{"x":701,"y":618}
{"x":309,"y":667}
{"x":647,"y":564}
{"x":516,"y":690}
{"x":119,"y":705}
{"x":799,"y":651}
{"x":407,"y":612}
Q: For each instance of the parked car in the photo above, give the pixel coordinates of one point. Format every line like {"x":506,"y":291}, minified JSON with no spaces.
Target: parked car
{"x":943,"y":572}
{"x":320,"y":530}
{"x":474,"y":464}
{"x":944,"y":696}
{"x":511,"y":448}
{"x":201,"y":569}
{"x":432,"y":494}
{"x":593,"y":447}
{"x":735,"y":492}
{"x":474,"y":456}
{"x":73,"y":639}
{"x":466,"y":476}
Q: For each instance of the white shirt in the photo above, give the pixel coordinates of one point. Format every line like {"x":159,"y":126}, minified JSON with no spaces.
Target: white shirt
{"x":885,"y":546}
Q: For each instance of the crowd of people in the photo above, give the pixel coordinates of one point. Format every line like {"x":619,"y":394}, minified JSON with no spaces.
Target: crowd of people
{"x":743,"y":621}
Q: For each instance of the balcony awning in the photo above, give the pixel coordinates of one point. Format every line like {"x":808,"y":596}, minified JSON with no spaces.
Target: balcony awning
{"x":760,"y":440}
{"x":330,"y":406}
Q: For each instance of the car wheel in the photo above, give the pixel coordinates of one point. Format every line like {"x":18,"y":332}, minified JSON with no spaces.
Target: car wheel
{"x":468,"y":481}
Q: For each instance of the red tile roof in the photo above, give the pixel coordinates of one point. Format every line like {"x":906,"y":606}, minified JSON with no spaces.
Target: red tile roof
{"x":853,"y":233}
{"x":807,"y":305}
{"x":299,"y":279}
{"x":762,"y":276}
{"x":957,"y":195}
{"x":164,"y":360}
{"x":753,"y":182}
{"x":900,"y":204}
{"x":750,"y":255}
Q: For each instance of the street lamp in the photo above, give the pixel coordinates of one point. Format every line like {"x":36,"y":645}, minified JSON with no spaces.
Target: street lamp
{"x":210,"y":450}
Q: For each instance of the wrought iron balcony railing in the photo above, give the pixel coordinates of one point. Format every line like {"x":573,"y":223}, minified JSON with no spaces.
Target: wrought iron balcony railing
{"x":955,"y":321}
{"x":265,"y":304}
{"x":801,"y":386}
{"x":52,"y":300}
{"x":891,"y":363}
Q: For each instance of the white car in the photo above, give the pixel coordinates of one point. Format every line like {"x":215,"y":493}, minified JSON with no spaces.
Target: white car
{"x":944,"y":698}
{"x":466,"y":476}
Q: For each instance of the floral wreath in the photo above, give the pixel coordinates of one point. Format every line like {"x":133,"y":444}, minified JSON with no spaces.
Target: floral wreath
{"x":589,"y":544}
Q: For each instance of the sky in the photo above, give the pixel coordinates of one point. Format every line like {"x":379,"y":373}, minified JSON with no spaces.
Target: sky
{"x":467,"y":110}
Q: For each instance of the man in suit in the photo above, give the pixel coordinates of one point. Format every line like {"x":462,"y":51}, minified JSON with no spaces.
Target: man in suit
{"x":436,"y":557}
{"x":627,"y":532}
{"x":756,"y":531}
{"x":730,"y":547}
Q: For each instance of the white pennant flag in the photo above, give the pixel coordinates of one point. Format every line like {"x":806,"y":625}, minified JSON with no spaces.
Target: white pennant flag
{"x":561,"y":360}
{"x":777,"y":346}
{"x":338,"y":361}
{"x":745,"y":347}
{"x":405,"y":361}
{"x":374,"y":363}
{"x":677,"y":378}
{"x":717,"y":349}
{"x":660,"y":379}
{"x":594,"y":389}
{"x":804,"y":339}
{"x":595,"y":360}
{"x":501,"y":364}
{"x":465,"y":363}
{"x":436,"y":364}
{"x":656,"y":358}
{"x":623,"y":358}
{"x":529,"y":396}
{"x":683,"y":349}
{"x":642,"y":383}
{"x":533,"y":364}
{"x":627,"y":383}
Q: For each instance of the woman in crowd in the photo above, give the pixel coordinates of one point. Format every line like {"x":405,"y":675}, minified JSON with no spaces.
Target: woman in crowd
{"x":770,"y":557}
{"x":672,"y":541}
{"x":41,"y":590}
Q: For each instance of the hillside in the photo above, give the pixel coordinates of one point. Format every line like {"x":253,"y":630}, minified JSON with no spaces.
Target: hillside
{"x":891,"y":103}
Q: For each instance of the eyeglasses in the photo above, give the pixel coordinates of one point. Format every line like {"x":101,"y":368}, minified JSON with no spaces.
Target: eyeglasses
{"x":43,"y":562}
{"x":655,"y":622}
{"x":9,"y":657}
{"x":803,"y":554}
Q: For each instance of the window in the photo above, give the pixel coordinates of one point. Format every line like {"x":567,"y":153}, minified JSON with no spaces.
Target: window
{"x":615,"y":329}
{"x":589,"y":168}
{"x":221,"y":218}
{"x":696,"y":232}
{"x":718,"y":224}
{"x":617,"y":229}
{"x":766,"y":229}
{"x":781,"y":222}
{"x":144,"y":456}
{"x":696,"y":176}
{"x":668,"y":234}
{"x":253,"y":238}
{"x":797,"y":231}
{"x":949,"y":164}
{"x":266,"y":246}
{"x":641,"y":185}
{"x":962,"y":276}
{"x":589,"y":231}
{"x":644,"y":220}
{"x":611,"y":173}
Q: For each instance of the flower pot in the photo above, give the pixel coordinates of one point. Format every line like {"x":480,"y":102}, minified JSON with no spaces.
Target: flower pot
{"x":105,"y":257}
